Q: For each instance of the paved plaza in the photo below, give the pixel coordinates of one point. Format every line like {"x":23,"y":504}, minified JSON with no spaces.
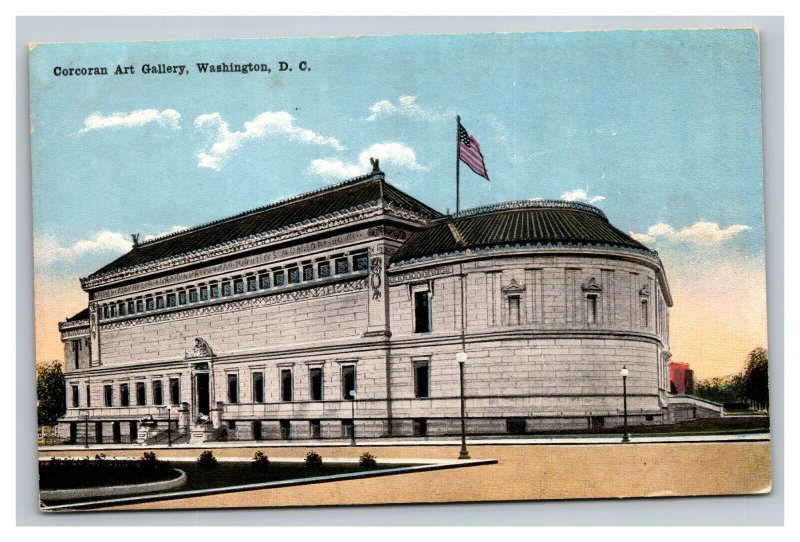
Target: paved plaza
{"x":525,"y":470}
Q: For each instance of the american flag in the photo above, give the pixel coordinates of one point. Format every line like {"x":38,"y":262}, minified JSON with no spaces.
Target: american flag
{"x":469,"y":152}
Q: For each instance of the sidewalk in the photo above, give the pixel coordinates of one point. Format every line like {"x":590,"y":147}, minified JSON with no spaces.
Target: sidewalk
{"x":531,"y":440}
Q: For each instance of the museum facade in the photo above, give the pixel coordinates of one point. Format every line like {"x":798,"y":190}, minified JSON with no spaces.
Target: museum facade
{"x":343,"y":309}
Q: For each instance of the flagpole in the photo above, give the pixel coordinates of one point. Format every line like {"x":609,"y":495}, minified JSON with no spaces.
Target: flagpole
{"x":458,"y":162}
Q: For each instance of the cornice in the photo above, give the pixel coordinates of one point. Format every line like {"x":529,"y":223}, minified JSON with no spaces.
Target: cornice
{"x":330,"y":221}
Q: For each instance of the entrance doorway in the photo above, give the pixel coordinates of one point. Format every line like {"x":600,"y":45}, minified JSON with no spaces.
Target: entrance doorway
{"x":73,"y":432}
{"x":203,"y":406}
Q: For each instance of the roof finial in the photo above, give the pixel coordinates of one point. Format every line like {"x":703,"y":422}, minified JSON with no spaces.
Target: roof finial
{"x":376,"y":168}
{"x":135,"y":238}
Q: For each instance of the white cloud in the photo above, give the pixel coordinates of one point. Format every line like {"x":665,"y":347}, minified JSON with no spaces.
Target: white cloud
{"x":500,"y":132}
{"x":390,"y":152}
{"x":168,"y":118}
{"x":606,"y":132}
{"x":699,"y":233}
{"x":173,"y":229}
{"x":407,"y":106}
{"x":579,"y":194}
{"x":47,"y":250}
{"x":223,"y":141}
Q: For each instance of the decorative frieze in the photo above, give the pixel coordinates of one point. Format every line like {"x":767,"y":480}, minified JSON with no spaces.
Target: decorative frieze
{"x":238,"y":264}
{"x":241,"y":304}
{"x":388,"y":231}
{"x":375,"y":280}
{"x":75,"y":332}
{"x":421,"y":274}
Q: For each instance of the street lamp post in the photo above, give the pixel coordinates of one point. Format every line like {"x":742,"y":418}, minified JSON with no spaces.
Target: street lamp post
{"x":624,"y":372}
{"x":86,"y":429}
{"x":353,"y":417}
{"x":461,"y":358}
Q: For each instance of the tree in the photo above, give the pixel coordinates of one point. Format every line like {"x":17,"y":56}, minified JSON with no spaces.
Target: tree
{"x":755,"y":378}
{"x":51,"y":392}
{"x":720,"y":389}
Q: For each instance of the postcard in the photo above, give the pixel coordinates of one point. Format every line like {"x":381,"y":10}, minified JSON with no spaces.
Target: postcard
{"x":399,"y":269}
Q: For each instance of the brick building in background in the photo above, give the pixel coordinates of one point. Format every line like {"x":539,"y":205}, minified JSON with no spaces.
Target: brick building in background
{"x":681,"y":378}
{"x":261,"y":325}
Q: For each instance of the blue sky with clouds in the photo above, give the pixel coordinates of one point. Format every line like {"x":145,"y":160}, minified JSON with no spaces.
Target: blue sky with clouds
{"x":659,"y":129}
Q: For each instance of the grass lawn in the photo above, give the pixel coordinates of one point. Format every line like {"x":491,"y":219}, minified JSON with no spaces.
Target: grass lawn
{"x":224,"y":474}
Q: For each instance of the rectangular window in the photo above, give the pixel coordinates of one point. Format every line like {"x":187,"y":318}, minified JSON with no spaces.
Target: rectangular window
{"x":175,"y":391}
{"x":251,"y":284}
{"x":342,"y":266}
{"x":105,"y":311}
{"x":124,"y":396}
{"x":98,"y":432}
{"x":294,"y":275}
{"x":316,"y":429}
{"x":513,"y":310}
{"x":420,"y":427}
{"x":112,"y":311}
{"x":238,"y":286}
{"x":285,"y":429}
{"x":348,"y":381}
{"x":422,"y":379}
{"x":108,"y":395}
{"x":141,"y":398}
{"x":233,"y":388}
{"x":263,"y":281}
{"x":347,"y":428}
{"x":231,"y":424}
{"x":139,"y":305}
{"x":315,"y":376}
{"x":181,"y":298}
{"x":215,"y":291}
{"x":258,"y":387}
{"x":286,"y":385}
{"x":644,"y":313}
{"x":76,"y":348}
{"x":171,"y":300}
{"x":75,"y":398}
{"x":279,"y":278}
{"x":226,"y":289}
{"x":88,"y":396}
{"x":158,"y":393}
{"x":324,"y":270}
{"x":591,"y":309}
{"x":308,"y":272}
{"x":193,"y":296}
{"x":160,"y":302}
{"x":131,"y":307}
{"x":204,"y":293}
{"x":121,"y":310}
{"x":422,"y":312}
{"x":360,"y":262}
{"x":150,"y":304}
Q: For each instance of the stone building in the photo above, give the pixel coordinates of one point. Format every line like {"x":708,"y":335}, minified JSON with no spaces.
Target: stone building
{"x":260,"y":325}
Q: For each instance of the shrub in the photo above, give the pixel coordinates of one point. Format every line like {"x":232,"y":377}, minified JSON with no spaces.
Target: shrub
{"x":260,"y":461}
{"x":207,"y":459}
{"x":313,"y":460}
{"x":367,"y":461}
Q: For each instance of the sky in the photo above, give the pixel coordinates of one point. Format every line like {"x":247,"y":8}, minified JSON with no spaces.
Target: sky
{"x":660,"y":129}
